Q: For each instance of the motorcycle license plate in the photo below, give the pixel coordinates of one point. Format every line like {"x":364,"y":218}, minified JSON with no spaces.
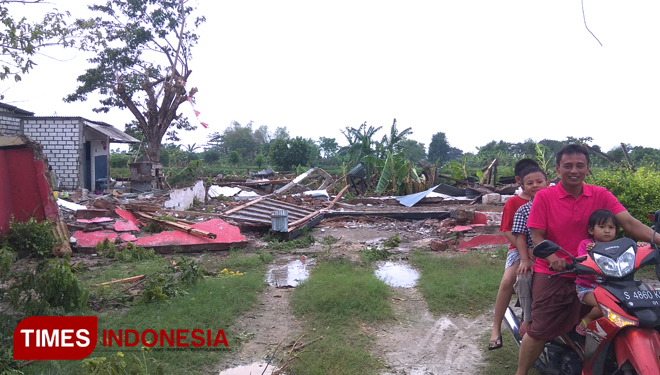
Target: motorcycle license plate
{"x":641,"y":298}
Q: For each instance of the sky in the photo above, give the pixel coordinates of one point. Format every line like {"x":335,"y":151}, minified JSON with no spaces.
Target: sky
{"x":476,"y":70}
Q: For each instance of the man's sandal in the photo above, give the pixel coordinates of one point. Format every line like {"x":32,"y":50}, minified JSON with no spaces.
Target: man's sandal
{"x":495,"y":344}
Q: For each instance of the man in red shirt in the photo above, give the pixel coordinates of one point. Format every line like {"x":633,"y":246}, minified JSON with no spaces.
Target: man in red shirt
{"x":560,"y":214}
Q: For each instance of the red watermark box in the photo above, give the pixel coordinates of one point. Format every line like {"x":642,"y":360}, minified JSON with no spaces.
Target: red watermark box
{"x":55,"y":337}
{"x":76,"y":337}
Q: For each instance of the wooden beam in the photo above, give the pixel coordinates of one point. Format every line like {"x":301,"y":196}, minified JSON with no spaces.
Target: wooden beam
{"x":338,"y":196}
{"x":126,"y":280}
{"x":180,"y":227}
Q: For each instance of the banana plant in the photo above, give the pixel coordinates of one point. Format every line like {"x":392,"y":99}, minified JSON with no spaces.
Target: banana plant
{"x":397,"y":175}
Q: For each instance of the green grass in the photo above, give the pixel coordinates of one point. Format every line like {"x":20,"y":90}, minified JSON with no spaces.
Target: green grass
{"x":333,"y":302}
{"x":118,"y":270}
{"x":244,"y":262}
{"x":210,"y":304}
{"x":465,"y":284}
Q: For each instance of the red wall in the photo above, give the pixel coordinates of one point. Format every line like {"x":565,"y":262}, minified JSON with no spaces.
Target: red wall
{"x":24,"y":188}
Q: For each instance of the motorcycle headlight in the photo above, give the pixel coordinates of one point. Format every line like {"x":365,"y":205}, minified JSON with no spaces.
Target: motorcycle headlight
{"x":616,"y":267}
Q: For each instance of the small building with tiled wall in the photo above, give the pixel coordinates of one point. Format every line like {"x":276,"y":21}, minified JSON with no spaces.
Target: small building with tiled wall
{"x":78,"y":150}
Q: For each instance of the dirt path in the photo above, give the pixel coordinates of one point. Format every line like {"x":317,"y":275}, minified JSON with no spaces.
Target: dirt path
{"x":415,"y":343}
{"x":263,"y":328}
{"x":421,"y":344}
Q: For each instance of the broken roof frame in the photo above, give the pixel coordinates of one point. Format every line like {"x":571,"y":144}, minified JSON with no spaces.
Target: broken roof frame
{"x":260,"y":212}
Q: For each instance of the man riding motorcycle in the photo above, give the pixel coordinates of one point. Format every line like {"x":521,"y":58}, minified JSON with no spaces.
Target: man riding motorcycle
{"x":560,"y":214}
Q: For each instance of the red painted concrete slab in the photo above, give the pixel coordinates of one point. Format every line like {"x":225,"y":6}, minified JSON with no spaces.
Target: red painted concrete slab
{"x":95,"y":220}
{"x":460,"y":228}
{"x":484,"y":240}
{"x":127,"y":237}
{"x":125,"y":226}
{"x":90,"y":239}
{"x":127,"y":216}
{"x":226,"y":234}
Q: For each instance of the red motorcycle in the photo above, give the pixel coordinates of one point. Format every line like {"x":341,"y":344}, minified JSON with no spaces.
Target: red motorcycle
{"x":625,"y":340}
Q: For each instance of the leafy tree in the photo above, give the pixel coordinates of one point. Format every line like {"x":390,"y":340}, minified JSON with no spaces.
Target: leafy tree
{"x":211,"y":156}
{"x":441,"y":151}
{"x":119,"y":160}
{"x":526,"y":149}
{"x":645,"y":156}
{"x":281,"y":133}
{"x":143,"y":49}
{"x":234,"y":158}
{"x":329,"y":146}
{"x":412,"y":150}
{"x":553,"y":145}
{"x":288,"y":153}
{"x":278,"y":154}
{"x":20,"y":39}
{"x":262,"y":135}
{"x":240,"y":139}
{"x":259,"y":160}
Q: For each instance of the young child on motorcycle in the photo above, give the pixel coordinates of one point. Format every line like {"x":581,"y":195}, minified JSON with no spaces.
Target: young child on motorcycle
{"x":512,"y":259}
{"x":602,"y":227}
{"x":533,"y":180}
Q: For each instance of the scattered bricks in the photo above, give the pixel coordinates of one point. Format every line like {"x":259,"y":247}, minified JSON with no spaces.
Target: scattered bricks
{"x":464,"y":216}
{"x":447,"y":223}
{"x":486,"y":229}
{"x":438,"y":246}
{"x":492,"y":198}
{"x":89,"y":214}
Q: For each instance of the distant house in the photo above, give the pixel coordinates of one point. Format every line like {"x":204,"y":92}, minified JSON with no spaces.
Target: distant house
{"x":77,"y":149}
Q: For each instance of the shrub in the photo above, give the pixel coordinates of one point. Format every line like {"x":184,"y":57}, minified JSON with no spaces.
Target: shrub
{"x":36,"y":237}
{"x":637,"y":191}
{"x":51,"y":290}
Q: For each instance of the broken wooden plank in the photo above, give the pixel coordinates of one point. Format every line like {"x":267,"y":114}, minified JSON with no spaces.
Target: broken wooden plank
{"x":295,"y":182}
{"x":126,"y":280}
{"x":293,"y":225}
{"x":338,"y":196}
{"x":178,"y":226}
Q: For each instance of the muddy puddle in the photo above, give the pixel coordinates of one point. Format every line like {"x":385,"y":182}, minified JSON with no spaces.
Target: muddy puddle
{"x":397,"y":274}
{"x":253,"y":369}
{"x":289,"y":271}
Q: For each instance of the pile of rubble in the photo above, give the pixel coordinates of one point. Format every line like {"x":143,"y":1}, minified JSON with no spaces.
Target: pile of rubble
{"x":211,"y":218}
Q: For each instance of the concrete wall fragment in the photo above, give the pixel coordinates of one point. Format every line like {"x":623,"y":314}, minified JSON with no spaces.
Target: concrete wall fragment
{"x":182,"y":199}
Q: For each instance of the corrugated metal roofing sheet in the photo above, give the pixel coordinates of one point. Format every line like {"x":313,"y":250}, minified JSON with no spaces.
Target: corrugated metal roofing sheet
{"x":113,"y":133}
{"x":262,"y":211}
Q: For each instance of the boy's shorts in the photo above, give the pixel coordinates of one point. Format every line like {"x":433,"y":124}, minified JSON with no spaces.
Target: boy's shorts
{"x":582,"y":291}
{"x":512,"y":257}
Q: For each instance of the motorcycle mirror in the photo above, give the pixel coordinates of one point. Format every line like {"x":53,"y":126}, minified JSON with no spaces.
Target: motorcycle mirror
{"x":656,"y":221}
{"x":545,"y":249}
